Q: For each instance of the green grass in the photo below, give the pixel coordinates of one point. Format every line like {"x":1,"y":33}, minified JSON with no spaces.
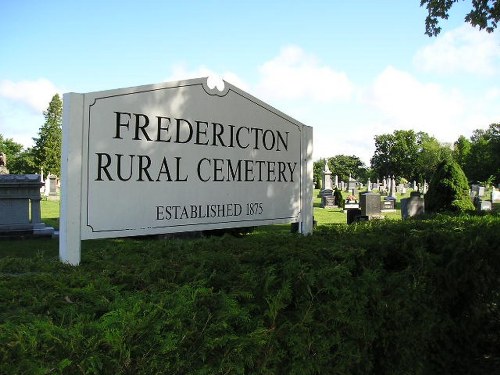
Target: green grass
{"x":50,"y":213}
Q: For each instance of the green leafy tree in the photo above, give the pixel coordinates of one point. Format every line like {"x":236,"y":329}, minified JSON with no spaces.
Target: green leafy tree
{"x":10,"y":148}
{"x":481,"y":155}
{"x":19,"y":161}
{"x":408,"y":154}
{"x":344,"y":165}
{"x":430,"y":154}
{"x":461,"y":151}
{"x":24,"y":163}
{"x":448,"y":189}
{"x":484,"y":14}
{"x":396,"y":154}
{"x":47,"y":149}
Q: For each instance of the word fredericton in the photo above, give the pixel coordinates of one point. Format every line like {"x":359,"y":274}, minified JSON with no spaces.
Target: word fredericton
{"x":142,"y":167}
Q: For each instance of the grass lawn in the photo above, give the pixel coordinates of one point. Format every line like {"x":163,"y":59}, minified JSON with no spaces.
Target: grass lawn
{"x":50,"y":216}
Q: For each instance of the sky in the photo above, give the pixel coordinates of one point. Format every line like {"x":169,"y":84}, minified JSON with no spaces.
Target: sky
{"x":350,"y":69}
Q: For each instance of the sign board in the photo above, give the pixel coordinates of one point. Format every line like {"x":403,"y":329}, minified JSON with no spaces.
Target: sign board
{"x":179,"y":156}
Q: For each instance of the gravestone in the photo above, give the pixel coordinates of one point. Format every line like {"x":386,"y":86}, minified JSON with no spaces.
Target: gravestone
{"x":327,"y":199}
{"x":327,"y":178}
{"x":370,"y":204}
{"x":392,"y":191}
{"x":482,"y":205}
{"x":388,"y":205}
{"x":495,"y":195}
{"x":352,"y":215}
{"x":53,"y":184}
{"x":412,"y":206}
{"x":20,"y":196}
{"x":350,"y":204}
{"x":351,"y":184}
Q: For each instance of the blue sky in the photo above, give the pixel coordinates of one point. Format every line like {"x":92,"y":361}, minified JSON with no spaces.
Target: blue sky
{"x":351,"y":70}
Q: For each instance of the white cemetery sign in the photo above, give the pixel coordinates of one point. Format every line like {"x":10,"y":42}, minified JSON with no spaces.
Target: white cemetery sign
{"x":179,"y":156}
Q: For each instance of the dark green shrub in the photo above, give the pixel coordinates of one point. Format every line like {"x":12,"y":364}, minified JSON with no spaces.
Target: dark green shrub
{"x":383,"y":297}
{"x":339,"y":199}
{"x":448,"y":189}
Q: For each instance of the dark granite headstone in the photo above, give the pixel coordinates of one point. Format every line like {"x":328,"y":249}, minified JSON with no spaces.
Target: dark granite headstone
{"x":352,"y":215}
{"x":370,"y":204}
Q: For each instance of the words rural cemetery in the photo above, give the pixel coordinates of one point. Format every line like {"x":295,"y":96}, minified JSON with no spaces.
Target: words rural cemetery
{"x":224,"y":245}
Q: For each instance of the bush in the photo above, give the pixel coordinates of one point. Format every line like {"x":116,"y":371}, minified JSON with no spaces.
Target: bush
{"x":339,"y":199}
{"x":448,"y":189}
{"x":413,"y":297}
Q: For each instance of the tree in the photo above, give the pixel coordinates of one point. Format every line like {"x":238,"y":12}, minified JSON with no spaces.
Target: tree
{"x":10,"y":148}
{"x":430,"y":154}
{"x":47,"y":149}
{"x":344,"y":165}
{"x":23,"y":163}
{"x":448,"y":189}
{"x":19,"y":161}
{"x":407,"y":154}
{"x":395,"y":154}
{"x":483,"y":160}
{"x":461,"y":151}
{"x":485,"y":14}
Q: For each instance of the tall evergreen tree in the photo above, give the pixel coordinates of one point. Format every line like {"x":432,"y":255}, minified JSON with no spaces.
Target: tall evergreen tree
{"x":47,"y":149}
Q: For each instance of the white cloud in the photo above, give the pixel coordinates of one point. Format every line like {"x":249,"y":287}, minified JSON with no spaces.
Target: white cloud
{"x":463,"y":50}
{"x":408,"y":103}
{"x":35,"y":94}
{"x":293,"y":74}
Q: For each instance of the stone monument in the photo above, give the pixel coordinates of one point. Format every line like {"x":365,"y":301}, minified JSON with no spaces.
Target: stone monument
{"x":326,"y":194}
{"x":370,"y":204}
{"x":412,"y":206}
{"x":20,"y":196}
